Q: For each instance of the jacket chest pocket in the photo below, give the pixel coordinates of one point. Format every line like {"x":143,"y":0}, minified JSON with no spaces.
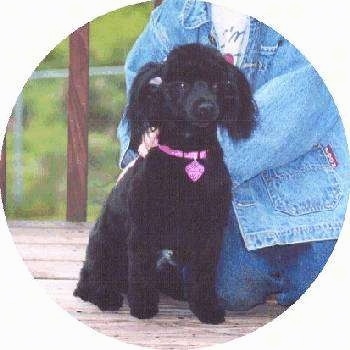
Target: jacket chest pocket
{"x":307,"y":185}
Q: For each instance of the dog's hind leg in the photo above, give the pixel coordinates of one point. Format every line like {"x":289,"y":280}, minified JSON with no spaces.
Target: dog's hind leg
{"x":104,"y":275}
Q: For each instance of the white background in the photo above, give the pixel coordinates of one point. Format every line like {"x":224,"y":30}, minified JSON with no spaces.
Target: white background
{"x":29,"y":30}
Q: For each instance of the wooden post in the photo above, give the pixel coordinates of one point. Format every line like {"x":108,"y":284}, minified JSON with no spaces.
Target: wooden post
{"x":78,"y":107}
{"x":3,"y":173}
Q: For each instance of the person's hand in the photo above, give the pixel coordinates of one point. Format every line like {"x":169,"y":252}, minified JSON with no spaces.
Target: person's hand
{"x":149,"y":140}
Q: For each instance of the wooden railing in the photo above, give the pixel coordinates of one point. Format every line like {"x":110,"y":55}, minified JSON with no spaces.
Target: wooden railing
{"x":77,"y":116}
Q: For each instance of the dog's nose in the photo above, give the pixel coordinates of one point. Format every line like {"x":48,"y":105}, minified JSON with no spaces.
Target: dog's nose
{"x":206,"y":110}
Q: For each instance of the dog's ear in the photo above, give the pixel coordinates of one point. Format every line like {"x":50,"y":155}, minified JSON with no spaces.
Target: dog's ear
{"x":238,"y":109}
{"x":144,"y":106}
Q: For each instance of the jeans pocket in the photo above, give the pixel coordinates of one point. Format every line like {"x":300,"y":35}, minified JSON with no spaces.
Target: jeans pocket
{"x":307,"y":185}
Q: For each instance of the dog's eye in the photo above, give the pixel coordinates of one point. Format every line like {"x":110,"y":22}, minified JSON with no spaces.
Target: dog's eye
{"x":177,"y":87}
{"x":182,"y":86}
{"x":226,"y":86}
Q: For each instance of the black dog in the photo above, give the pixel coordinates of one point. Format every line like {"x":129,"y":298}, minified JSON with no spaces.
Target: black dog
{"x":178,"y":196}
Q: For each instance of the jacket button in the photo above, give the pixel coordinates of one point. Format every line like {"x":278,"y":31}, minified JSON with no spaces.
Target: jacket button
{"x":212,"y":40}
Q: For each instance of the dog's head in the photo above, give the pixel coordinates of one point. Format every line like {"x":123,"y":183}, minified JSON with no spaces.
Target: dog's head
{"x":188,"y":96}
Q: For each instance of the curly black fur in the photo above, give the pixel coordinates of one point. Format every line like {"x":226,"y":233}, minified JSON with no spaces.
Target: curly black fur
{"x":155,"y":206}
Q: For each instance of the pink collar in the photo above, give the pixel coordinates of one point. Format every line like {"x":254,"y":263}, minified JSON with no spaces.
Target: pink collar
{"x":194,"y":169}
{"x":182,"y":154}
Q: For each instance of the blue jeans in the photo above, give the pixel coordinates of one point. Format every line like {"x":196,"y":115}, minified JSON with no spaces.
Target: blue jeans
{"x":246,"y":278}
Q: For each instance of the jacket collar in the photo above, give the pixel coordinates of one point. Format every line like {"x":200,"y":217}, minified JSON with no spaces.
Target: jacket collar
{"x":195,"y":13}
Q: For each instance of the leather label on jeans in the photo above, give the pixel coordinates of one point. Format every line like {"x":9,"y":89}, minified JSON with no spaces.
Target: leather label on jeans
{"x":331,"y":156}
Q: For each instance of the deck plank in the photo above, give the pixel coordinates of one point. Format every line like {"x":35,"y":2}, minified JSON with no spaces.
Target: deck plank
{"x":54,"y":253}
{"x":58,"y":270}
{"x":174,"y":324}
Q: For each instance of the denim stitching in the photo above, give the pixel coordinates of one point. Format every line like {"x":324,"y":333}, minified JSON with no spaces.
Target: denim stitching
{"x":294,"y":235}
{"x":192,"y":23}
{"x":281,"y":203}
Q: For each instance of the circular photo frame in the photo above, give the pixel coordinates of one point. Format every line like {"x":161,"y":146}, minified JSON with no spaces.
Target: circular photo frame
{"x":51,"y":202}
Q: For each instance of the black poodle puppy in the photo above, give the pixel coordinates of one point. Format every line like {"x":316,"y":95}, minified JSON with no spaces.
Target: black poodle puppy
{"x":178,"y":197}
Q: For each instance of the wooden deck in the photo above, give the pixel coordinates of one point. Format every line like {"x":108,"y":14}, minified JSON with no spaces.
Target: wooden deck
{"x":54,"y":252}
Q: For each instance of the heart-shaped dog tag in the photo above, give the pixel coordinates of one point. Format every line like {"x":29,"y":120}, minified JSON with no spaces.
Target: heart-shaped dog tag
{"x":194,"y":170}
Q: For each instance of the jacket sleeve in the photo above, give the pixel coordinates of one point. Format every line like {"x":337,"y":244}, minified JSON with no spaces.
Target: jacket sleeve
{"x":295,"y":112}
{"x":147,"y":48}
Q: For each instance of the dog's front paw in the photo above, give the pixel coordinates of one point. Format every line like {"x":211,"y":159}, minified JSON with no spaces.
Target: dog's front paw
{"x":143,"y":302}
{"x":110,"y":302}
{"x":143,"y":311}
{"x":211,"y":315}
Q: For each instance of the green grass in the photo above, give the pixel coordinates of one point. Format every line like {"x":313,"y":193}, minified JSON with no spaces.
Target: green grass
{"x":45,"y":124}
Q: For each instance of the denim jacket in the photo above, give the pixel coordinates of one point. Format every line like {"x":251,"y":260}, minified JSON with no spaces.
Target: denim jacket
{"x":291,"y":177}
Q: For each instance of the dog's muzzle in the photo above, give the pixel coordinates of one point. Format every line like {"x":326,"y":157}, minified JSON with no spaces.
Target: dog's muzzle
{"x":205,"y":113}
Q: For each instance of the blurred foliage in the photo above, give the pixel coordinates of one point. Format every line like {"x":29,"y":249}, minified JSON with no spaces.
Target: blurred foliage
{"x":45,"y":125}
{"x":111,"y":37}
